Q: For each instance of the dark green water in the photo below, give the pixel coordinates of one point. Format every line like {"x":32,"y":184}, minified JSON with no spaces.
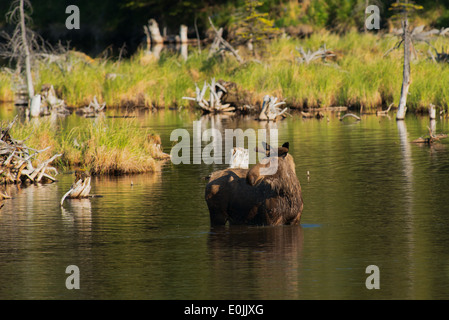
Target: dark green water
{"x":372,"y":198}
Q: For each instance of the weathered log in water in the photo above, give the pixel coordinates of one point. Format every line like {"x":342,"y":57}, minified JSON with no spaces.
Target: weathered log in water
{"x":50,"y":103}
{"x":384,"y":112}
{"x":270,"y":110}
{"x":214,"y":104}
{"x":80,"y":188}
{"x":15,"y":160}
{"x":432,"y":138}
{"x":350,"y":115}
{"x":310,"y":115}
{"x":93,"y":109}
{"x":432,"y":112}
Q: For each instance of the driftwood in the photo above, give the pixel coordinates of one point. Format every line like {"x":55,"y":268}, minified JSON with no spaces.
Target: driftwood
{"x":442,"y":56}
{"x":93,"y":108}
{"x":153,"y":34}
{"x":432,"y":112}
{"x":80,"y":188}
{"x":309,"y":56}
{"x":384,"y":112}
{"x":270,"y":110}
{"x":214,"y":103}
{"x":350,"y":115}
{"x":4,"y":196}
{"x":237,"y":97}
{"x":15,"y":160}
{"x":431,"y":138}
{"x":330,"y":109}
{"x":308,"y":115}
{"x":50,"y":103}
{"x":47,"y":103}
{"x":418,"y":33}
{"x":220,"y":45}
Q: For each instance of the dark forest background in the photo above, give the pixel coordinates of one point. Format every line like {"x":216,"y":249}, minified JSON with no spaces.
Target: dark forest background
{"x":113,"y":23}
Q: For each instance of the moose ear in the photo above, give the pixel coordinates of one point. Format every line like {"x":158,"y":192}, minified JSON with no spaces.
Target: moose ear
{"x":282,"y":151}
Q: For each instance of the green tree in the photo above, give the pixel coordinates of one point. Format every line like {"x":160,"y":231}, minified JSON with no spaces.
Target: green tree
{"x":254,"y":27}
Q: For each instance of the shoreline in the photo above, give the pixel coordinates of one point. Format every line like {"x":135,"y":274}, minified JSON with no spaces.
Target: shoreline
{"x":359,"y":76}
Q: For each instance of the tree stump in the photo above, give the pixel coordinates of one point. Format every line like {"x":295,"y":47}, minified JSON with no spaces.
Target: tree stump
{"x":270,"y":110}
{"x":80,"y":188}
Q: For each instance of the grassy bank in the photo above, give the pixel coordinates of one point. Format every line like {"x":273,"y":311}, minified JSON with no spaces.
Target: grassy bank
{"x":103,"y":146}
{"x":359,"y":76}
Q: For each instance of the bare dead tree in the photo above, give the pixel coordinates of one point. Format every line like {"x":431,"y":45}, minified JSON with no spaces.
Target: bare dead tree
{"x":19,"y":45}
{"x":22,"y":43}
{"x":220,"y":44}
{"x":408,"y":37}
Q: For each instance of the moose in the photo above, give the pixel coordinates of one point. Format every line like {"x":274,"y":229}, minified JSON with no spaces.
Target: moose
{"x":257,"y":196}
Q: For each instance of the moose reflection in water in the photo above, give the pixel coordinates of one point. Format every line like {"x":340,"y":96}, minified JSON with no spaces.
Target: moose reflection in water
{"x":243,"y":196}
{"x":264,"y":256}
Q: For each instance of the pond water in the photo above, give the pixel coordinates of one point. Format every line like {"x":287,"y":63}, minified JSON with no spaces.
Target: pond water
{"x":372,"y":198}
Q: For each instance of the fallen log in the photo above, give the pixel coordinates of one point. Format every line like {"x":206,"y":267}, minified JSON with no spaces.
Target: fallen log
{"x":93,"y":108}
{"x":432,"y":138}
{"x":309,"y":115}
{"x":384,"y":112}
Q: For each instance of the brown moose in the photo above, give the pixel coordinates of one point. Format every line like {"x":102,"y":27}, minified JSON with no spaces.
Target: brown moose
{"x":250,"y":196}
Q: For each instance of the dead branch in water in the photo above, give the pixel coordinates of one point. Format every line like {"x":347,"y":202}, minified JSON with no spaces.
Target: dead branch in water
{"x":15,"y":160}
{"x":384,"y":112}
{"x":431,"y":138}
{"x":214,"y":103}
{"x":350,"y":115}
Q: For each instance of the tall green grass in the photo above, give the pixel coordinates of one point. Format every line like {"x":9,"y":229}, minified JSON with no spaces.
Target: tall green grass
{"x":103,"y":146}
{"x":360,"y":75}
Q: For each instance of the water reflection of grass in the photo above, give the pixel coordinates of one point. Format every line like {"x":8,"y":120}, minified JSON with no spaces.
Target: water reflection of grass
{"x":360,"y":75}
{"x":103,"y":146}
